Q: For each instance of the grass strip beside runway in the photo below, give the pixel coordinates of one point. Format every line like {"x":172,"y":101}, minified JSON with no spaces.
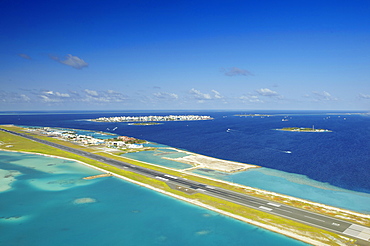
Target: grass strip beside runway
{"x":268,"y":221}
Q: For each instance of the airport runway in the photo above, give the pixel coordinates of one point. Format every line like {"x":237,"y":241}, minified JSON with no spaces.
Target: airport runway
{"x":359,"y":232}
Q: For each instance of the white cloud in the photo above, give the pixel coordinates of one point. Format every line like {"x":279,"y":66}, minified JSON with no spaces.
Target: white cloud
{"x":203,"y":97}
{"x":13,"y":97}
{"x":50,"y":97}
{"x":199,"y":95}
{"x":165,"y":95}
{"x":47,"y":99}
{"x":173,"y":95}
{"x":91,"y":92}
{"x":56,"y":94}
{"x":323,"y":96}
{"x":217,"y":94}
{"x":25,"y":98}
{"x":364,"y":96}
{"x":72,"y":61}
{"x":267,"y":92}
{"x":235,"y":71}
{"x":251,"y":99}
{"x":108,"y":96}
{"x":62,"y":94}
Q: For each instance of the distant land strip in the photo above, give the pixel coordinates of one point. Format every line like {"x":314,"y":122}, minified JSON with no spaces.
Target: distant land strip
{"x":302,"y":129}
{"x":152,"y":118}
{"x":348,"y":228}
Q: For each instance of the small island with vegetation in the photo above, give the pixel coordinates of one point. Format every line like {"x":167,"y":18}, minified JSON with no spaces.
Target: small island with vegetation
{"x":303,"y":129}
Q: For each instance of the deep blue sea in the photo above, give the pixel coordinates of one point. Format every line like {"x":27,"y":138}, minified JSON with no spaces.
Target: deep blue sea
{"x":47,"y":196}
{"x":340,"y":158}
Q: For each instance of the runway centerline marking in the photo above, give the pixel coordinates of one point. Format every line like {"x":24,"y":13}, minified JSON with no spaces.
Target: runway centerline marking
{"x":273,"y":204}
{"x":268,"y":209}
{"x":314,"y":218}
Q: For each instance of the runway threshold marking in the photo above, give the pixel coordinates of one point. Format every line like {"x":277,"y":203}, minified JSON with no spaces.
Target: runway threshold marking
{"x":161,"y":178}
{"x":358,"y":231}
{"x":170,"y":176}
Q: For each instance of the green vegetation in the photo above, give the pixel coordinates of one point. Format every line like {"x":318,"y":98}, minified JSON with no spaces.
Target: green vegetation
{"x":16,"y":143}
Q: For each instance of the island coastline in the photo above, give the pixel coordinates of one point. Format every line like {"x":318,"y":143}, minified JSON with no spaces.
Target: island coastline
{"x":269,"y":227}
{"x":194,"y":202}
{"x":302,"y":129}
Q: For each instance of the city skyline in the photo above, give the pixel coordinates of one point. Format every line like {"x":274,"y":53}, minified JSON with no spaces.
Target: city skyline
{"x":150,"y":55}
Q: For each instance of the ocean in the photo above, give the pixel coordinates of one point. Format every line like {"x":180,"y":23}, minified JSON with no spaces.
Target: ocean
{"x":44,"y":201}
{"x":329,"y":167}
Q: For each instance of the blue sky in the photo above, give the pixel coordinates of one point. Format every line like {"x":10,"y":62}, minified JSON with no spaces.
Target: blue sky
{"x":242,"y":55}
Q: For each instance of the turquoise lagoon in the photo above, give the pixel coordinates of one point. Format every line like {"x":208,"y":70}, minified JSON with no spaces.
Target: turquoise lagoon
{"x":156,"y":157}
{"x":45,"y":201}
{"x":95,"y":134}
{"x":273,"y":180}
{"x":297,"y":186}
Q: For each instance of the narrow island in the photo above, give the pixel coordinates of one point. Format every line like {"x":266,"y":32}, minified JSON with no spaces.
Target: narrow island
{"x":302,"y":129}
{"x":259,"y":217}
{"x":152,"y":118}
{"x":125,"y":144}
{"x":145,"y":124}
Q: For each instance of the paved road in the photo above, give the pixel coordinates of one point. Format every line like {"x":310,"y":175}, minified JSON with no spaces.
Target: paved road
{"x":359,"y":232}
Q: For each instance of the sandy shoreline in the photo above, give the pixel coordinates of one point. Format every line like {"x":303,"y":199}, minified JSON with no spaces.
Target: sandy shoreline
{"x":197,"y":203}
{"x":366,"y":216}
{"x":207,"y":162}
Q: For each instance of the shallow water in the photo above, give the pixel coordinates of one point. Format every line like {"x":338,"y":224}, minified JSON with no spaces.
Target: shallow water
{"x":155,"y":157}
{"x":277,"y":181}
{"x":63,"y":209}
{"x":334,"y":166}
{"x":297,"y":186}
{"x":340,"y":157}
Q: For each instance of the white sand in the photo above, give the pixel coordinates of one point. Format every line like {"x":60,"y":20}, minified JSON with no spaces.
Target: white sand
{"x":283,"y":231}
{"x":201,"y":161}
